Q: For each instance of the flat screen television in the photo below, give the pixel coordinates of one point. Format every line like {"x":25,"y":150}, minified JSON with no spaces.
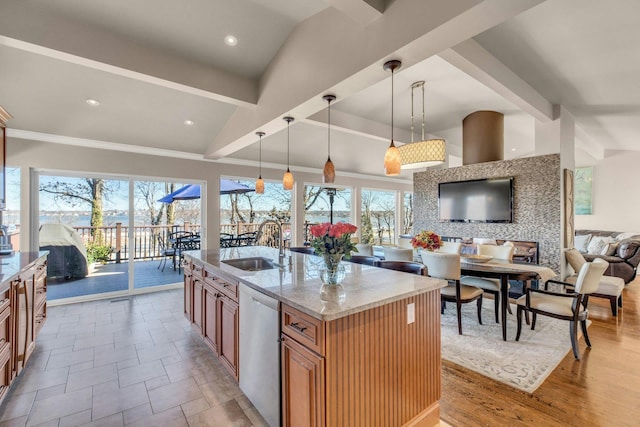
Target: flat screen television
{"x":480,"y":200}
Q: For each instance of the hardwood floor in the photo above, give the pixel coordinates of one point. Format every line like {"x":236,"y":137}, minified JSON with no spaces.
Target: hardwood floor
{"x":599,"y":390}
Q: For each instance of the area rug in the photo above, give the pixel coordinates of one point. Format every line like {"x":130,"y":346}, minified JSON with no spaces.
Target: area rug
{"x":523,"y":364}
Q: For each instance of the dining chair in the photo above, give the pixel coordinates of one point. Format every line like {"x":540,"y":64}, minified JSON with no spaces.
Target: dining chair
{"x":397,"y":254}
{"x":303,"y":250}
{"x":450,"y":247}
{"x":227,"y":240}
{"x":447,"y":267}
{"x":569,"y":305}
{"x":363,"y":259}
{"x":165,"y":253}
{"x":488,"y":285}
{"x":405,"y":266}
{"x":364,"y":249}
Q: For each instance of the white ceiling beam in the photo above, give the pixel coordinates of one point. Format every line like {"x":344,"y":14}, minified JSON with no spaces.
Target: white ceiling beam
{"x":67,"y":40}
{"x":361,"y":11}
{"x":585,"y":142}
{"x":356,"y":125}
{"x":344,"y":58}
{"x":471,"y":58}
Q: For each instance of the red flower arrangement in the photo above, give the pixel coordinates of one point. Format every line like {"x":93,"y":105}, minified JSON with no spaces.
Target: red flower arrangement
{"x":333,"y":239}
{"x":426,"y":239}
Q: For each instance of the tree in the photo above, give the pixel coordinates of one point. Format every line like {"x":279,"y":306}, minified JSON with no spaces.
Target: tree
{"x":408,"y":214}
{"x":366,"y":232}
{"x":170,"y":187}
{"x":149,"y":192}
{"x":81,"y":191}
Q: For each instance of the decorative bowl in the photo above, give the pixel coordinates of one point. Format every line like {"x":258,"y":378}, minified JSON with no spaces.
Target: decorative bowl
{"x":476,"y":258}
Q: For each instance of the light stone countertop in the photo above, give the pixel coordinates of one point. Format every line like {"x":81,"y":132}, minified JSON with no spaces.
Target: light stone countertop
{"x":297,"y":284}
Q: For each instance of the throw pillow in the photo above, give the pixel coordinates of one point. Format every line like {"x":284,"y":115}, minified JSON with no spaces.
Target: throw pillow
{"x":581,"y":242}
{"x":484,"y":241}
{"x":610,"y":249}
{"x":597,"y":243}
{"x":574,"y":258}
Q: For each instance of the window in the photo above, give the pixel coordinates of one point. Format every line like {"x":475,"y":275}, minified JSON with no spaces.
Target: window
{"x":378,"y":217}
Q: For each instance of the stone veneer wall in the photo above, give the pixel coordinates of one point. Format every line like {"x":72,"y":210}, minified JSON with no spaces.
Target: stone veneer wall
{"x":536,"y":203}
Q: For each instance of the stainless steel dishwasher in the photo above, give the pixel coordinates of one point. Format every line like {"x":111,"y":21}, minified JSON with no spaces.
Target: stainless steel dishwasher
{"x":260,"y":352}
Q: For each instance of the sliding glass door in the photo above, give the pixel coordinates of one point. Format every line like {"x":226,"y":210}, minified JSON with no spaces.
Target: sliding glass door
{"x":83,"y":224}
{"x":111,"y":235}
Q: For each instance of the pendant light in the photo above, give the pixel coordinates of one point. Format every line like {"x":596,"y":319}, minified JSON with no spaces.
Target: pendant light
{"x":392,"y":156}
{"x":260,"y":182}
{"x":424,"y":153}
{"x":329,"y":171}
{"x":287,"y":179}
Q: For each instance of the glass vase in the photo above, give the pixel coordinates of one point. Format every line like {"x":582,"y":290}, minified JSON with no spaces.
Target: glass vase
{"x":333,"y":272}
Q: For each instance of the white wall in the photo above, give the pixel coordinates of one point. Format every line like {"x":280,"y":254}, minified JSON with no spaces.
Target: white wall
{"x":616,"y":199}
{"x":42,"y":155}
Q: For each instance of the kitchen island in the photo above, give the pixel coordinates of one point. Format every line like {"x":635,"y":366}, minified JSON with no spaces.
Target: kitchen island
{"x":368,"y":357}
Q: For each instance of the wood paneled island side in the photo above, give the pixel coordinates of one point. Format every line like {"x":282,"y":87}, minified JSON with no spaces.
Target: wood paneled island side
{"x":369,"y":358}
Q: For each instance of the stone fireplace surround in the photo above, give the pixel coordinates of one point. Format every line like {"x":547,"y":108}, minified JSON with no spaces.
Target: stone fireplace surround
{"x":537,"y":203}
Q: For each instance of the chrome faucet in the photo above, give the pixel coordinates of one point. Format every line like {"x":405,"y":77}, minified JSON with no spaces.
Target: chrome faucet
{"x":280,"y":236}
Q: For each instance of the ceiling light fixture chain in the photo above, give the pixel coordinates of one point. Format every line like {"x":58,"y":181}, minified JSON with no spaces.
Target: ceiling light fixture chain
{"x":392,"y":155}
{"x":260,"y":181}
{"x":329,"y":171}
{"x":287,"y":179}
{"x":423,"y":153}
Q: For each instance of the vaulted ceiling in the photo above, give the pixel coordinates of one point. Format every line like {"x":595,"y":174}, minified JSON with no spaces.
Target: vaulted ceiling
{"x":152,"y":64}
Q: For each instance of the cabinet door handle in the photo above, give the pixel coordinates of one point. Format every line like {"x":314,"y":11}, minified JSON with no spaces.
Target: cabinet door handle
{"x":297,"y":327}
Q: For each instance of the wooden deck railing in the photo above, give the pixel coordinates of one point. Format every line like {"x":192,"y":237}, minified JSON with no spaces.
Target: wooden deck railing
{"x":145,"y":240}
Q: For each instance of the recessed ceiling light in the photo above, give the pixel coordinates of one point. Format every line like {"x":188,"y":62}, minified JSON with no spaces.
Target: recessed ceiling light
{"x":189,"y":122}
{"x":513,"y":149}
{"x":230,"y":40}
{"x":93,"y":102}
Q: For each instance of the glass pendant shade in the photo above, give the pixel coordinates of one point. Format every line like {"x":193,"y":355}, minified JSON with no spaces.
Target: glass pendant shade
{"x":260,"y":186}
{"x":329,"y":172}
{"x":287,"y":180}
{"x":392,"y":160}
{"x":392,"y":156}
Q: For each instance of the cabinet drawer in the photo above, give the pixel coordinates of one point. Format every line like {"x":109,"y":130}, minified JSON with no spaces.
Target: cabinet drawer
{"x":303,"y":328}
{"x":197,"y":271}
{"x":226,"y":286}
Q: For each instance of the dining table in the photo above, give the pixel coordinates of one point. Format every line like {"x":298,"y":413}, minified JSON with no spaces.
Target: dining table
{"x":504,"y":271}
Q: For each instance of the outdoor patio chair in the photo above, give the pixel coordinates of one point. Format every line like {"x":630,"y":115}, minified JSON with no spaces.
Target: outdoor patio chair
{"x":165,"y":253}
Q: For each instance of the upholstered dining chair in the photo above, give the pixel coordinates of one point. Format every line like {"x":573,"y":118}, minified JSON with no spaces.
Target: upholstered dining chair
{"x":397,"y":254}
{"x":364,"y":249}
{"x":303,"y":250}
{"x":450,"y":247}
{"x":491,"y":286}
{"x":406,"y":266}
{"x":565,"y":306}
{"x":447,"y":266}
{"x":363,"y":259}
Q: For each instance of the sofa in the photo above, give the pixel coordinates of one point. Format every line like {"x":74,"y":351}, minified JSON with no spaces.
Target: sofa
{"x":620,"y":249}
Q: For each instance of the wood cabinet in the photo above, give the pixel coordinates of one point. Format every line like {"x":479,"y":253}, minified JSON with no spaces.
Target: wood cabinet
{"x":210,"y":324}
{"x":302,"y":351}
{"x":212,"y":301}
{"x":228,"y":324}
{"x":374,"y":367}
{"x":302,"y":385}
{"x":188,"y":292}
{"x":23,"y":311}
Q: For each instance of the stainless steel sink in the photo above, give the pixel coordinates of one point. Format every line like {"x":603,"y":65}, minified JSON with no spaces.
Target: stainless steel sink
{"x":252,"y":264}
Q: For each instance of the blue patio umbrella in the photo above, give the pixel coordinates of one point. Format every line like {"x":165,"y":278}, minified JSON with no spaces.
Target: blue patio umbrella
{"x":191,"y":191}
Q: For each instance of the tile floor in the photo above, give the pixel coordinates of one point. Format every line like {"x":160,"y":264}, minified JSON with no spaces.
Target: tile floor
{"x":132,"y":361}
